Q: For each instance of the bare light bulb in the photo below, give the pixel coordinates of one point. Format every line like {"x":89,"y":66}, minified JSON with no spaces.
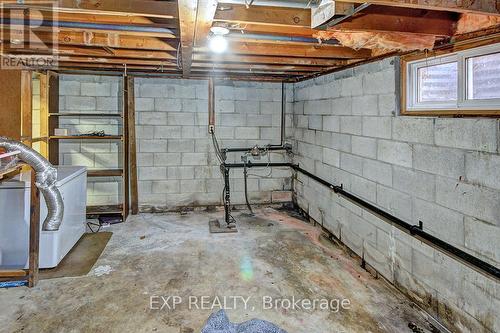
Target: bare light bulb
{"x":218,"y":44}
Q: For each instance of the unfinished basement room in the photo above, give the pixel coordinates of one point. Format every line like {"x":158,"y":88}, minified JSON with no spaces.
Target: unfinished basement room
{"x":250,"y":166}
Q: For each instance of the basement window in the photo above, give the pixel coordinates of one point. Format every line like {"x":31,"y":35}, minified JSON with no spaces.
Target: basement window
{"x":461,"y":83}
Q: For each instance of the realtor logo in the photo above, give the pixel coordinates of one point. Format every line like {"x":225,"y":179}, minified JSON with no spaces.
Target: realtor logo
{"x":29,"y":35}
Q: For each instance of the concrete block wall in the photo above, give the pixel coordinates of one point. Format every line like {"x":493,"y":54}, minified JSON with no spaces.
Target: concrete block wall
{"x":444,"y":172}
{"x":99,"y":94}
{"x":177,"y":165}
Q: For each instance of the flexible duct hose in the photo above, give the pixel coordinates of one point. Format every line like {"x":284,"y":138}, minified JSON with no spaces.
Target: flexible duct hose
{"x":46,"y":178}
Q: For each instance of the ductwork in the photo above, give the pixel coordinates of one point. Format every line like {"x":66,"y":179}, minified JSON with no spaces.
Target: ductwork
{"x":46,"y":178}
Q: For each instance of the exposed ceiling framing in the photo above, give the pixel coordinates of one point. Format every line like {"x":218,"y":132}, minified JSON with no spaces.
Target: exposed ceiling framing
{"x":265,"y":42}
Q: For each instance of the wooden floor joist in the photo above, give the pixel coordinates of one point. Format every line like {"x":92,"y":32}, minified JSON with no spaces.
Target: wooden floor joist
{"x":149,"y":8}
{"x":313,"y":51}
{"x":169,"y":36}
{"x":187,"y":25}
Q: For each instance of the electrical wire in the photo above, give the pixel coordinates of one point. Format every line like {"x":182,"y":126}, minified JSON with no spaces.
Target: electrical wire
{"x":221,"y":157}
{"x":98,"y":225}
{"x":178,"y":60}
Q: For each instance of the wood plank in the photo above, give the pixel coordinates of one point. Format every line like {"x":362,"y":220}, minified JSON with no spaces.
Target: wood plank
{"x":269,"y":60}
{"x":134,"y":192}
{"x":313,"y":51}
{"x":85,"y":114}
{"x":64,"y":50}
{"x":269,"y":29}
{"x":479,"y":6}
{"x":26,"y":107}
{"x":34,"y":237}
{"x":187,"y":24}
{"x":119,"y":61}
{"x":150,"y":8}
{"x":125,"y":148}
{"x":113,"y":40}
{"x":392,"y":19}
{"x":9,"y":154}
{"x":69,"y":66}
{"x":264,"y":15}
{"x":8,"y":273}
{"x":105,"y":173}
{"x":124,"y":30}
{"x":204,"y":19}
{"x":10,"y":103}
{"x":131,"y":20}
{"x":105,"y":209}
{"x":5,"y":173}
{"x":250,"y":67}
{"x":85,"y":137}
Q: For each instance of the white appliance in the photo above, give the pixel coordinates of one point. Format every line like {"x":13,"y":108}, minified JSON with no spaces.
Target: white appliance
{"x":15,"y":219}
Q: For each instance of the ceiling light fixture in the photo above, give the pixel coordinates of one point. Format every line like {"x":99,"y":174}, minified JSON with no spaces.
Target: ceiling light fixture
{"x":217,"y":42}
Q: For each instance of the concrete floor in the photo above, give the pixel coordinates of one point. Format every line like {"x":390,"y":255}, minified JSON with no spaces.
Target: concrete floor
{"x":153,"y":255}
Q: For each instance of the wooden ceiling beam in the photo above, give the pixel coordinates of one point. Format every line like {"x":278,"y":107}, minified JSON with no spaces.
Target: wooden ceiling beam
{"x":113,"y":40}
{"x":204,"y":19}
{"x":187,"y":24}
{"x":313,"y":51}
{"x":96,"y":29}
{"x":171,"y":72}
{"x":119,"y":61}
{"x":268,"y":29}
{"x":150,"y":8}
{"x":393,"y":19}
{"x":62,"y":50}
{"x":264,"y":15}
{"x":172,"y":69}
{"x":142,"y":21}
{"x":269,"y":60}
{"x":252,"y":67}
{"x":488,"y":7}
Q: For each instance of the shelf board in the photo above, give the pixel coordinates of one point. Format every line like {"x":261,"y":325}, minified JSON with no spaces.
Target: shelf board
{"x":105,"y":210}
{"x":86,"y":137}
{"x":85,"y":114}
{"x":9,"y":170}
{"x":9,"y":154}
{"x":105,"y":173}
{"x":7,"y":273}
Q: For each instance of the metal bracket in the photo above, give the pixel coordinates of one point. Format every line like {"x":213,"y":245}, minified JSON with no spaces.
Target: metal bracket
{"x":414,"y":228}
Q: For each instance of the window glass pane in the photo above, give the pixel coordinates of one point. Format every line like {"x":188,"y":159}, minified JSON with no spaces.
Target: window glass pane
{"x":483,"y":80}
{"x":438,"y":83}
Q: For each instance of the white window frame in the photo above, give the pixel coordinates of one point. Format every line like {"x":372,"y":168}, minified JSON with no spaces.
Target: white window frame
{"x":462,"y":103}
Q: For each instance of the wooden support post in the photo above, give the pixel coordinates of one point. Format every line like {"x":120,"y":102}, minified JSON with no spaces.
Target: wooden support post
{"x":126,"y":156}
{"x":34,"y":233}
{"x":26,"y":107}
{"x":134,"y":195}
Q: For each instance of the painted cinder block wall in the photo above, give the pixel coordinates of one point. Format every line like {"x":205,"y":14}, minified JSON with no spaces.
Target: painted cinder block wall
{"x":87,"y":94}
{"x":442,"y":171}
{"x":177,"y":166}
